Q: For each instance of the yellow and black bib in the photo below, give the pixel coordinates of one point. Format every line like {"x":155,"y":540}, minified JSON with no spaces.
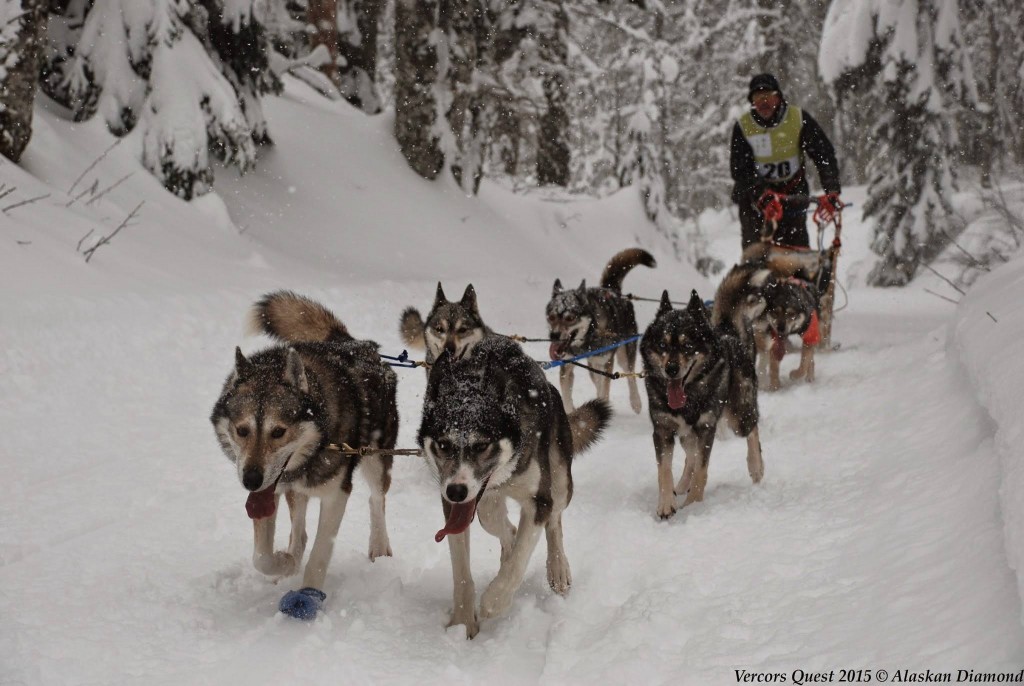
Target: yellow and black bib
{"x":777,"y":149}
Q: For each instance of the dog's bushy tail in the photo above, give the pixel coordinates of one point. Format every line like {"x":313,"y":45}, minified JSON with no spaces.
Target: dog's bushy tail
{"x":411,"y":327}
{"x":620,"y":265}
{"x":292,"y":318}
{"x":588,"y":422}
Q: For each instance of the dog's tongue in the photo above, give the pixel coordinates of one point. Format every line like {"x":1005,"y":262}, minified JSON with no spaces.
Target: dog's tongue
{"x":778,"y":347}
{"x":459,"y":518}
{"x":555,"y":351}
{"x":260,"y":504}
{"x":676,"y":394}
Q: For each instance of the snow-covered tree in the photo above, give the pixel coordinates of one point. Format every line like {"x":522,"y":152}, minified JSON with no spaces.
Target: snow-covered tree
{"x":185,"y":76}
{"x":913,"y":52}
{"x":22,"y":31}
{"x":552,"y":26}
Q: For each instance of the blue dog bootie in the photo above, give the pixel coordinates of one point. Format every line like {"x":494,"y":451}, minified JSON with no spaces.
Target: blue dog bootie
{"x":303,"y":604}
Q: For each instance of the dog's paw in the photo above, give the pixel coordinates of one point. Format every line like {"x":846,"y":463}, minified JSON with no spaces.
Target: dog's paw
{"x":471,"y":623}
{"x":280,"y":563}
{"x":559,"y":576}
{"x":666,"y":510}
{"x":302,"y":604}
{"x":796,"y":374}
{"x":380,"y":550}
{"x":495,"y":601}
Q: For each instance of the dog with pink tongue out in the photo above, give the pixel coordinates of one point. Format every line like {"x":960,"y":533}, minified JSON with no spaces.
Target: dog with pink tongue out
{"x":493,"y":428}
{"x":697,"y":375}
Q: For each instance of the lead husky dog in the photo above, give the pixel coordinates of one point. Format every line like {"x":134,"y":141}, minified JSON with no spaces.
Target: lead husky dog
{"x":696,"y":376}
{"x":281,"y":417}
{"x":587,"y":319}
{"x":455,"y":326}
{"x":495,"y":429}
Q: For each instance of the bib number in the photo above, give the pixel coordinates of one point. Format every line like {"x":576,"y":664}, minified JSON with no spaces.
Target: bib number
{"x":777,"y":171}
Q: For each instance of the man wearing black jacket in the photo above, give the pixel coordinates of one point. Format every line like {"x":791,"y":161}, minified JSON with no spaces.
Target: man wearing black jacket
{"x":768,"y":150}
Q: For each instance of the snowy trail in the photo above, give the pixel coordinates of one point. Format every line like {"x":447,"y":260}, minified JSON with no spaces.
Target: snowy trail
{"x":874,"y":541}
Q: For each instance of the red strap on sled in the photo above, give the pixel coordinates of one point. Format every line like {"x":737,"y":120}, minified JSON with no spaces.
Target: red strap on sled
{"x":812,"y":336}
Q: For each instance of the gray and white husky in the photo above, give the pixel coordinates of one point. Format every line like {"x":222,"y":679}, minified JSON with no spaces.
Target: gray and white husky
{"x":452,"y":325}
{"x":494,"y":428}
{"x":281,"y":417}
{"x":585,"y":319}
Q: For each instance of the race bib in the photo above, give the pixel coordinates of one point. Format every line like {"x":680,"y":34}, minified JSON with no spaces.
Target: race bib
{"x":761,"y":144}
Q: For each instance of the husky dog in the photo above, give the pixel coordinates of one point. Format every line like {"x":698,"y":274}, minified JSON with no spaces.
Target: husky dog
{"x":455,"y":326}
{"x":586,"y":319}
{"x":782,"y":300}
{"x":697,"y":375}
{"x":281,"y":417}
{"x":495,"y":429}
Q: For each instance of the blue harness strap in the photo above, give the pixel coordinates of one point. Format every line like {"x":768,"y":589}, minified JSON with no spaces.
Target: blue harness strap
{"x":559,"y":363}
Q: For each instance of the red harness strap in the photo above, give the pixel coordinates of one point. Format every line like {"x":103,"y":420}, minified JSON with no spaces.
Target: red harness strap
{"x":812,"y":336}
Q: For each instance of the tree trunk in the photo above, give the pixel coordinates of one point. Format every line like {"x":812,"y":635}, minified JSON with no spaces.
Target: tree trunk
{"x":20,"y":59}
{"x":322,"y":16}
{"x":415,"y":75}
{"x":552,"y":146}
{"x":357,"y":44}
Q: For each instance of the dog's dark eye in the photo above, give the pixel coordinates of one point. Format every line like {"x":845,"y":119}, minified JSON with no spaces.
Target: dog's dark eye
{"x":444,"y":446}
{"x":461,"y":330}
{"x":478,"y":448}
{"x":569,"y":318}
{"x":439,"y":329}
{"x":277,"y":432}
{"x":242,"y":430}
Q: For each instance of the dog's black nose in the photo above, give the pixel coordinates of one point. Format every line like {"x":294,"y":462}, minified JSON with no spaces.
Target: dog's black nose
{"x":456,"y":492}
{"x":672,"y":369}
{"x":252,"y":478}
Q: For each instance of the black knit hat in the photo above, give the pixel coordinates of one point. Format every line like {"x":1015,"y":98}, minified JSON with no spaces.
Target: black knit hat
{"x":763,"y":82}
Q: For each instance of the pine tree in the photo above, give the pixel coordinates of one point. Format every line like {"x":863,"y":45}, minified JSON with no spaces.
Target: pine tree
{"x":22,"y":31}
{"x":915,"y":54}
{"x":553,"y":155}
{"x":151,"y":67}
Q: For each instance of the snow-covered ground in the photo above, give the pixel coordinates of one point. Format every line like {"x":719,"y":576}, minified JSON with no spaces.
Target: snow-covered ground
{"x":876,"y":540}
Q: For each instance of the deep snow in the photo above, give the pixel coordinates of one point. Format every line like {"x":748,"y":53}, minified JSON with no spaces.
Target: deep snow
{"x":874,"y":542}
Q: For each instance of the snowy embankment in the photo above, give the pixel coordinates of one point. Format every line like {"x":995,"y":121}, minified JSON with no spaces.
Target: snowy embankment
{"x":989,"y":329}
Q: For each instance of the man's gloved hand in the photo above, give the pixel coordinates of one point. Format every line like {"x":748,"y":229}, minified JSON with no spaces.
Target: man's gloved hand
{"x":770,"y":204}
{"x":829,"y":205}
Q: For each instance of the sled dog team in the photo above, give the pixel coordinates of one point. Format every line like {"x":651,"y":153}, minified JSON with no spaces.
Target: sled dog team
{"x":293,"y":418}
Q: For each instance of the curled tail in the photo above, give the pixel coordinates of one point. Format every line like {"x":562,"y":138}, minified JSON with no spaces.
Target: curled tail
{"x":587,"y":423}
{"x":292,"y":318}
{"x":620,"y":265}
{"x":412,"y":328}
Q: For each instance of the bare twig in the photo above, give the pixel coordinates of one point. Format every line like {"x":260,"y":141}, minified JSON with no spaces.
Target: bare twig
{"x":106,"y":239}
{"x":4,"y":191}
{"x":955,"y":287}
{"x":94,"y":163}
{"x":90,"y":189}
{"x":975,"y":262}
{"x":25,"y":202}
{"x":937,"y":295}
{"x":991,"y":317}
{"x":78,"y":248}
{"x":109,"y":188}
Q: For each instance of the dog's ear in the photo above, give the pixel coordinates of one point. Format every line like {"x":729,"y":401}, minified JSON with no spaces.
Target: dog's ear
{"x":696,"y":305}
{"x":242,"y":365}
{"x":583,"y":286}
{"x":295,"y":372}
{"x":469,"y":300}
{"x":557,"y":288}
{"x":666,"y":304}
{"x":439,"y":298}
